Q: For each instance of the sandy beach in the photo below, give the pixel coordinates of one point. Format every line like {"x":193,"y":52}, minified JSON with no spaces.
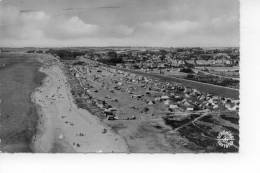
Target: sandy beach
{"x":63,"y":127}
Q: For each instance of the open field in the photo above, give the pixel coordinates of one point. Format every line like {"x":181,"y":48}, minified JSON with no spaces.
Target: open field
{"x":227,"y":72}
{"x":208,"y":88}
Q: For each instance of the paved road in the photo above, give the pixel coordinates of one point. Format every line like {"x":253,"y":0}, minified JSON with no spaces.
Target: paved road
{"x":203,"y":87}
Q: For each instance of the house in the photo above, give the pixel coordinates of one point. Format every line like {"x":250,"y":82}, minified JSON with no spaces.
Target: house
{"x":165,"y":98}
{"x":167,"y":102}
{"x":190,"y":109}
{"x":173,"y":107}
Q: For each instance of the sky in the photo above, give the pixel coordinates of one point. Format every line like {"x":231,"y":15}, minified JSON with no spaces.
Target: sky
{"x":167,"y":23}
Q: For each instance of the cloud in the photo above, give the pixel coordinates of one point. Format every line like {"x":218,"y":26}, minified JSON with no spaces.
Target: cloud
{"x":37,"y":24}
{"x":71,"y":28}
{"x":135,"y":22}
{"x":168,"y":28}
{"x":115,"y":31}
{"x":76,"y":26}
{"x":110,"y":7}
{"x":16,"y":25}
{"x":27,"y":11}
{"x":28,"y":24}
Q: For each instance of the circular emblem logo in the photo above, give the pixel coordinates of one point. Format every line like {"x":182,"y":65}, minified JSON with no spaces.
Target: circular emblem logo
{"x":225,"y":139}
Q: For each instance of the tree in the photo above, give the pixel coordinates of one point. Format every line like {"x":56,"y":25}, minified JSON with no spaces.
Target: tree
{"x":112,"y":58}
{"x":112,"y":54}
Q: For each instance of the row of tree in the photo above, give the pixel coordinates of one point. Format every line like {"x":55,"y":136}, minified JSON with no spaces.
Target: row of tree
{"x":65,"y":54}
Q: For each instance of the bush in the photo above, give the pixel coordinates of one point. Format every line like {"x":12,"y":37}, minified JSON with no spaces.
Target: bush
{"x":186,"y":70}
{"x":111,"y":59}
{"x":66,"y":54}
{"x":30,"y":51}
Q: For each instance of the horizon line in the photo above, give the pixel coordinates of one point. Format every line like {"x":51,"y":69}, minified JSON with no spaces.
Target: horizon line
{"x":17,"y":47}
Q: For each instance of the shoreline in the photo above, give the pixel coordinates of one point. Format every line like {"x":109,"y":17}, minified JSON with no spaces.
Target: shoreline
{"x":20,"y":78}
{"x":62,"y":126}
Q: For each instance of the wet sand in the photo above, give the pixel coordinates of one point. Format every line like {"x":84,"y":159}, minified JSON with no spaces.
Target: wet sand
{"x":63,"y":127}
{"x":19,"y":76}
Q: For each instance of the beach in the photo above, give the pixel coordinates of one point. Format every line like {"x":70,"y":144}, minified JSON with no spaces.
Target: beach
{"x":62,"y":126}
